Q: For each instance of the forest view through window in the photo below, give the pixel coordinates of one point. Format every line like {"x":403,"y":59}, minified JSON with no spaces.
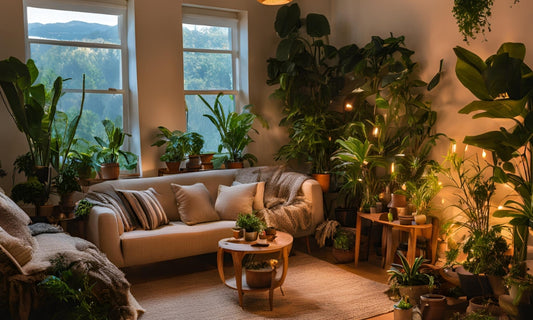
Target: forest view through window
{"x":72,"y":43}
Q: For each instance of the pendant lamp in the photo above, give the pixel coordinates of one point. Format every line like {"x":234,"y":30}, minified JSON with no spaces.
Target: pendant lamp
{"x":273,"y":2}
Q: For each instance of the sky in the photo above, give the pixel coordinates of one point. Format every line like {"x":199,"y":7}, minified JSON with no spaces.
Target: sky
{"x":52,"y":16}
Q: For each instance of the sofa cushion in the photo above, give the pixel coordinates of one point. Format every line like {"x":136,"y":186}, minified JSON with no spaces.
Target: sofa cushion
{"x":16,"y":247}
{"x":234,"y":200}
{"x":146,"y":207}
{"x":14,"y":220}
{"x":194,"y":203}
{"x":259,"y":195}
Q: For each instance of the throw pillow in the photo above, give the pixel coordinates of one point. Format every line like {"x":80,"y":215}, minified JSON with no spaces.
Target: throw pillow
{"x":234,"y":200}
{"x":259,"y":203}
{"x":194,"y":203}
{"x":146,"y":207}
{"x":20,"y":251}
{"x":14,"y":220}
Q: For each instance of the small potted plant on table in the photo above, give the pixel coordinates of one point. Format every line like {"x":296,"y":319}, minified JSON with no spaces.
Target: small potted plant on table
{"x":259,"y":274}
{"x":251,"y":225}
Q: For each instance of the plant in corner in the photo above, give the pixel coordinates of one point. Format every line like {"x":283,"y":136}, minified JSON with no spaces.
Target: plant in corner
{"x":503,"y":83}
{"x":234,"y":131}
{"x":108,"y":153}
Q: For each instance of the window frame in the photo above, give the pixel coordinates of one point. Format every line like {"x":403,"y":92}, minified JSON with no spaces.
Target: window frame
{"x":219,"y":18}
{"x":112,"y":7}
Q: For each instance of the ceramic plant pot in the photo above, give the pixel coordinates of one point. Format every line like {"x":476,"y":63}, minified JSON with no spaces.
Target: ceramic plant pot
{"x":260,"y":278}
{"x":109,"y":171}
{"x":234,"y":165}
{"x":250,"y":236}
{"x":323,"y":179}
{"x":174,"y":166}
{"x":420,"y":219}
{"x":403,"y":314}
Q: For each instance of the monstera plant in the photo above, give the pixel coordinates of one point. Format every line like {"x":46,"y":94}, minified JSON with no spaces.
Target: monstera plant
{"x":503,"y":85}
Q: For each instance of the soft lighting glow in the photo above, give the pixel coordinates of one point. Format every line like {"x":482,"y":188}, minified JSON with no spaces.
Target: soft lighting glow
{"x":404,"y":187}
{"x":500,"y":207}
{"x":466,"y":148}
{"x":376,"y":131}
{"x":442,"y":201}
{"x":392,"y":167}
{"x":440,"y":183}
{"x":483,"y":154}
{"x":273,"y":2}
{"x":454,"y":147}
{"x":348,"y":107}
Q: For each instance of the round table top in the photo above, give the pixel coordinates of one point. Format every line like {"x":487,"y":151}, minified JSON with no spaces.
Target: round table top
{"x":281,"y":241}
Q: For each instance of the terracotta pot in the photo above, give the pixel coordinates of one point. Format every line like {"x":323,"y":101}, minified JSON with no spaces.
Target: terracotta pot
{"x":206,"y":158}
{"x":173,"y":167}
{"x":250,"y":236}
{"x":260,"y":278}
{"x":433,"y":306}
{"x":46,"y":210}
{"x":237,"y":233}
{"x":234,"y":165}
{"x":194,"y":162}
{"x":398,"y":200}
{"x":67,"y":203}
{"x":109,"y":171}
{"x":343,"y":256}
{"x":413,"y":292}
{"x":420,"y":219}
{"x":403,"y":314}
{"x":323,"y":179}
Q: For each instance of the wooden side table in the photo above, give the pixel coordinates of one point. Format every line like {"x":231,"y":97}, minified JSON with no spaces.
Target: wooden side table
{"x":238,"y":249}
{"x":75,"y":226}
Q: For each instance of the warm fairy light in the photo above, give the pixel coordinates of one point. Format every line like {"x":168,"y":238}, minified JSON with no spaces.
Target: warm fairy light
{"x":454,"y":147}
{"x":466,"y":148}
{"x":483,"y":154}
{"x":392,"y":167}
{"x":348,"y":107}
{"x":442,"y":201}
{"x":360,"y":180}
{"x":440,"y":183}
{"x":500,"y":207}
{"x":404,"y":187}
{"x":376,"y":131}
{"x":329,"y":138}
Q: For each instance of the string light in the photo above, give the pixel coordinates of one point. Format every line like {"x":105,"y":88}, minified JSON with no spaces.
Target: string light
{"x":454,"y":147}
{"x":483,"y":154}
{"x":376,"y":131}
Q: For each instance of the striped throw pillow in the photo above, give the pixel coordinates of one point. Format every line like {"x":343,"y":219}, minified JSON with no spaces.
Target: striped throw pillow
{"x":146,"y":207}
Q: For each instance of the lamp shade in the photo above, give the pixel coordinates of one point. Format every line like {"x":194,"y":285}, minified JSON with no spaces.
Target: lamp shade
{"x":273,"y":2}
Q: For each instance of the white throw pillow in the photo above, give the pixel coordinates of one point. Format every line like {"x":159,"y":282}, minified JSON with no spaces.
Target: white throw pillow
{"x":259,"y":202}
{"x":234,"y":200}
{"x":194,"y":203}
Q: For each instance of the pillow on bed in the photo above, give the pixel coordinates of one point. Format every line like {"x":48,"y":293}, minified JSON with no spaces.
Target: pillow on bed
{"x":14,"y":220}
{"x":20,"y":251}
{"x":146,"y":207}
{"x":236,"y":199}
{"x":194,"y":203}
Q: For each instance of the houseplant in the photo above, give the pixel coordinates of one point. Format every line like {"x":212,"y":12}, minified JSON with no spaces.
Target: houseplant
{"x":503,"y":85}
{"x":421,"y":193}
{"x":108,"y":153}
{"x":234,"y":131}
{"x":259,"y":274}
{"x":66,"y":183}
{"x":177,"y":145}
{"x":343,"y":246}
{"x":403,"y":310}
{"x":196,"y":143}
{"x":251,"y":225}
{"x":409,"y":279}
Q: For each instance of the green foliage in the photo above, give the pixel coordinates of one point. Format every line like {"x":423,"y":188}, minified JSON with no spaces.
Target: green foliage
{"x":233,"y":128}
{"x":69,"y":295}
{"x":67,"y":179}
{"x":503,"y":83}
{"x":250,"y":222}
{"x":24,"y":164}
{"x":486,"y":253}
{"x":421,"y":192}
{"x":196,"y":142}
{"x":409,"y":275}
{"x":404,"y":304}
{"x":83,"y":208}
{"x":343,"y":240}
{"x":175,"y":142}
{"x":109,"y":151}
{"x":32,"y":191}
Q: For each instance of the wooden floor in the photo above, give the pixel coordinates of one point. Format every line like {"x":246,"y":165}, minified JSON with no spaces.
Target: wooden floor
{"x":369,"y":269}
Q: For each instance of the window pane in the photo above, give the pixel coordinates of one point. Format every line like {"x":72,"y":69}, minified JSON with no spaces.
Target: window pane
{"x":97,"y":107}
{"x":102,"y":67}
{"x":198,"y":123}
{"x":207,"y":71}
{"x":72,"y":26}
{"x":206,"y":37}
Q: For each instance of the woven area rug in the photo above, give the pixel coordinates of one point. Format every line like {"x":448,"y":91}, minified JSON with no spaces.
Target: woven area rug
{"x":314,"y":289}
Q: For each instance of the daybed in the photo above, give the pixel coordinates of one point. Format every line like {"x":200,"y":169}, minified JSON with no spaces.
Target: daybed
{"x":290,"y":201}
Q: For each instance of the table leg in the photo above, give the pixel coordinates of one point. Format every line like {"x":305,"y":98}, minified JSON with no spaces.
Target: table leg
{"x":390,"y":247}
{"x":237,"y":266}
{"x":357,"y":238}
{"x":220,"y":264}
{"x":411,"y":247}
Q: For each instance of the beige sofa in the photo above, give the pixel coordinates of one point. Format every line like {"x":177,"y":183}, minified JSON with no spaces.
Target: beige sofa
{"x":175,"y":240}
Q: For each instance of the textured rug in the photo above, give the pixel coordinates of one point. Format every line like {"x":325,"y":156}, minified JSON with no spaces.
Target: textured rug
{"x":314,"y":289}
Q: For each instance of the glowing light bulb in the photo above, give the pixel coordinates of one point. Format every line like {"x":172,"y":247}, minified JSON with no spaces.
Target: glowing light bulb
{"x":466,"y":148}
{"x":454,"y":147}
{"x":392,"y":167}
{"x":483,"y":154}
{"x":500,"y":207}
{"x":348,"y":107}
{"x":376,"y":131}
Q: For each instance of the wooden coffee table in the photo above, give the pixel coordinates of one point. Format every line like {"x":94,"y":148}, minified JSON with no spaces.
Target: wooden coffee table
{"x":238,"y":249}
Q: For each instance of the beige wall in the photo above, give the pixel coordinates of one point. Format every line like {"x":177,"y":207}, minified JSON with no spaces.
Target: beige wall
{"x":156,"y":79}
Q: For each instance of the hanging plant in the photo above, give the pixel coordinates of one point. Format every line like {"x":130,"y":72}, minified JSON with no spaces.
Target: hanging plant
{"x":473,"y":16}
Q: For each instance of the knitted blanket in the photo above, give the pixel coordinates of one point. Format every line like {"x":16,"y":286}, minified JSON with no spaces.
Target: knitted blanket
{"x":285,"y":207}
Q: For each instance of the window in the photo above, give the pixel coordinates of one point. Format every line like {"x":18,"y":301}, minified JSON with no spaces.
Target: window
{"x":72,"y":39}
{"x":212,"y":63}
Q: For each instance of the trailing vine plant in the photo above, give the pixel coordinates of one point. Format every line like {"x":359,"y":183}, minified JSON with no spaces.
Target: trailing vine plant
{"x":473,"y":17}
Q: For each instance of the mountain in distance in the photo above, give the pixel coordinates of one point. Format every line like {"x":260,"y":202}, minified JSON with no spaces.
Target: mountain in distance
{"x":75,"y":31}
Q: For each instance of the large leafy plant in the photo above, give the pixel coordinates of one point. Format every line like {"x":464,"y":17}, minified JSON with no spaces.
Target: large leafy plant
{"x":175,"y":142}
{"x":234,"y":130}
{"x":503,"y":83}
{"x":109,"y":151}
